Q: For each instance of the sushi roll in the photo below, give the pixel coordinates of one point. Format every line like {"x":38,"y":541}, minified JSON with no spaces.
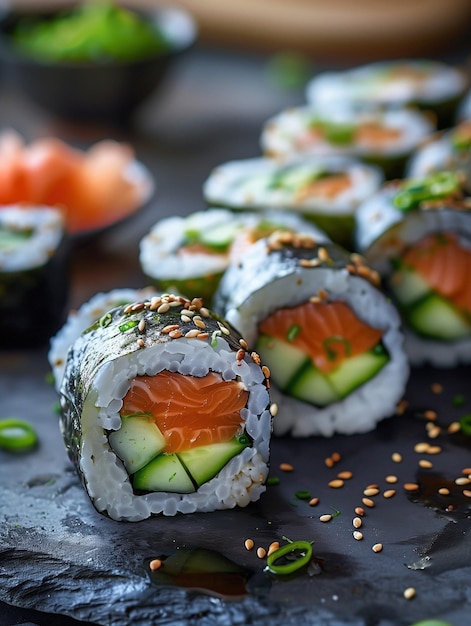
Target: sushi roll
{"x":430,"y":85}
{"x":448,"y":150}
{"x":34,"y":262}
{"x":163,"y":411}
{"x":417,"y":234}
{"x":382,"y":138}
{"x":327,"y":333}
{"x":189,"y":254}
{"x":325,"y":190}
{"x":82,"y":318}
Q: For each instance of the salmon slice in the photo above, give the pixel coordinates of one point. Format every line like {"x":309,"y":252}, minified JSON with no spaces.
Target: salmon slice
{"x":376,"y":135}
{"x":329,"y":186}
{"x":445,"y":265}
{"x":328,"y":332}
{"x":190,"y":411}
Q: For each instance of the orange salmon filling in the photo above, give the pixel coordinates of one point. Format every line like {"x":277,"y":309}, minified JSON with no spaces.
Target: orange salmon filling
{"x":328,"y":187}
{"x":190,"y":411}
{"x":328,"y":332}
{"x":445,"y":265}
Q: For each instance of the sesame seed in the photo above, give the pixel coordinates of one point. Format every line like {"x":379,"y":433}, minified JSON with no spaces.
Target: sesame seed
{"x":409,"y":593}
{"x":313,"y":501}
{"x":434,"y":450}
{"x":266,"y":371}
{"x":372,"y":491}
{"x":377,"y":547}
{"x":185,"y":318}
{"x":199,"y":322}
{"x":273,"y":409}
{"x":401,"y":407}
{"x":336,"y":483}
{"x":155,"y":564}
{"x":389,"y":493}
{"x":467,"y":493}
{"x":421,"y":447}
{"x":462,"y":481}
{"x":256,"y":358}
{"x":335,"y":456}
{"x":249,"y":544}
{"x":243,"y":344}
{"x":261,"y":553}
{"x":357,"y":522}
{"x":273,"y":547}
{"x":391,"y":479}
{"x":345,"y":475}
{"x":430,"y":415}
{"x":142,"y":326}
{"x":368,"y":502}
{"x":187,"y":313}
{"x":466,"y":471}
{"x":434,"y":432}
{"x":225,"y":330}
{"x":396,"y":457}
{"x":194,"y":332}
{"x":169,"y":328}
{"x":138,"y":306}
{"x":322,"y":293}
{"x":141,"y":343}
{"x":357,"y":535}
{"x":437,"y":388}
{"x":443,"y":491}
{"x":325,"y":518}
{"x":454,"y":427}
{"x":175,"y":334}
{"x":163,"y":308}
{"x":203,"y":336}
{"x":329,"y":462}
{"x":359,"y":510}
{"x":411,"y":486}
{"x":240,"y":354}
{"x":425,"y":463}
{"x":323,"y":254}
{"x":286,"y":467}
{"x":205,"y":312}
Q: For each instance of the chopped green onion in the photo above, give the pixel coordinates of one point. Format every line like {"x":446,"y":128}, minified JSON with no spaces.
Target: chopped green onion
{"x":128,"y":325}
{"x":459,"y":400}
{"x":434,"y":187}
{"x":295,"y":548}
{"x":214,"y":338}
{"x":332,"y":354}
{"x":273,"y":480}
{"x":293,"y":332}
{"x":17,"y":435}
{"x":303,"y":495}
{"x":106,"y":320}
{"x":465,"y":423}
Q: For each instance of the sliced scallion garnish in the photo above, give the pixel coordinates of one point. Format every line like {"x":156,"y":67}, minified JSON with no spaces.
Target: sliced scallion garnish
{"x":17,"y":435}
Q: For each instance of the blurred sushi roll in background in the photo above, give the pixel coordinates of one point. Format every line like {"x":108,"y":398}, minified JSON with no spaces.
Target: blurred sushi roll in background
{"x":385,"y":138}
{"x":417,"y":234}
{"x":81,"y":319}
{"x":432,"y":86}
{"x":34,"y":274}
{"x":165,"y":412}
{"x":189,"y":254}
{"x":448,"y":150}
{"x":324,"y":190}
{"x":331,"y":339}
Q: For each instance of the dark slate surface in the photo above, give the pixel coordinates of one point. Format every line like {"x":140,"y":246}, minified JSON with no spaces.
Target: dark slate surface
{"x":60,"y":561}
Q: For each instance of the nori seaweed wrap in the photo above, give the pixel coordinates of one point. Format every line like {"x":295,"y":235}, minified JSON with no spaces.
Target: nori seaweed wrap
{"x":164,"y":411}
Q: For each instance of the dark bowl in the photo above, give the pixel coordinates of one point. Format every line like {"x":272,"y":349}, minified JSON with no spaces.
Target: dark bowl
{"x":94,"y":91}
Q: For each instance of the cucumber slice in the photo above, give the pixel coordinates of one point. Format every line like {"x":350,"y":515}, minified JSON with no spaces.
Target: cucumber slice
{"x":408,"y":286}
{"x":284,"y":360}
{"x":437,"y":318}
{"x":322,"y":389}
{"x":356,"y":371}
{"x":312,"y":386}
{"x":137,"y":442}
{"x":204,"y":462}
{"x":164,"y":473}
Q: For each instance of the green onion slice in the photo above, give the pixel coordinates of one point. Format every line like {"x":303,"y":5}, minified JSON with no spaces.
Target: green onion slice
{"x":465,"y":423}
{"x":434,"y":187}
{"x":17,"y":435}
{"x":302,"y":548}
